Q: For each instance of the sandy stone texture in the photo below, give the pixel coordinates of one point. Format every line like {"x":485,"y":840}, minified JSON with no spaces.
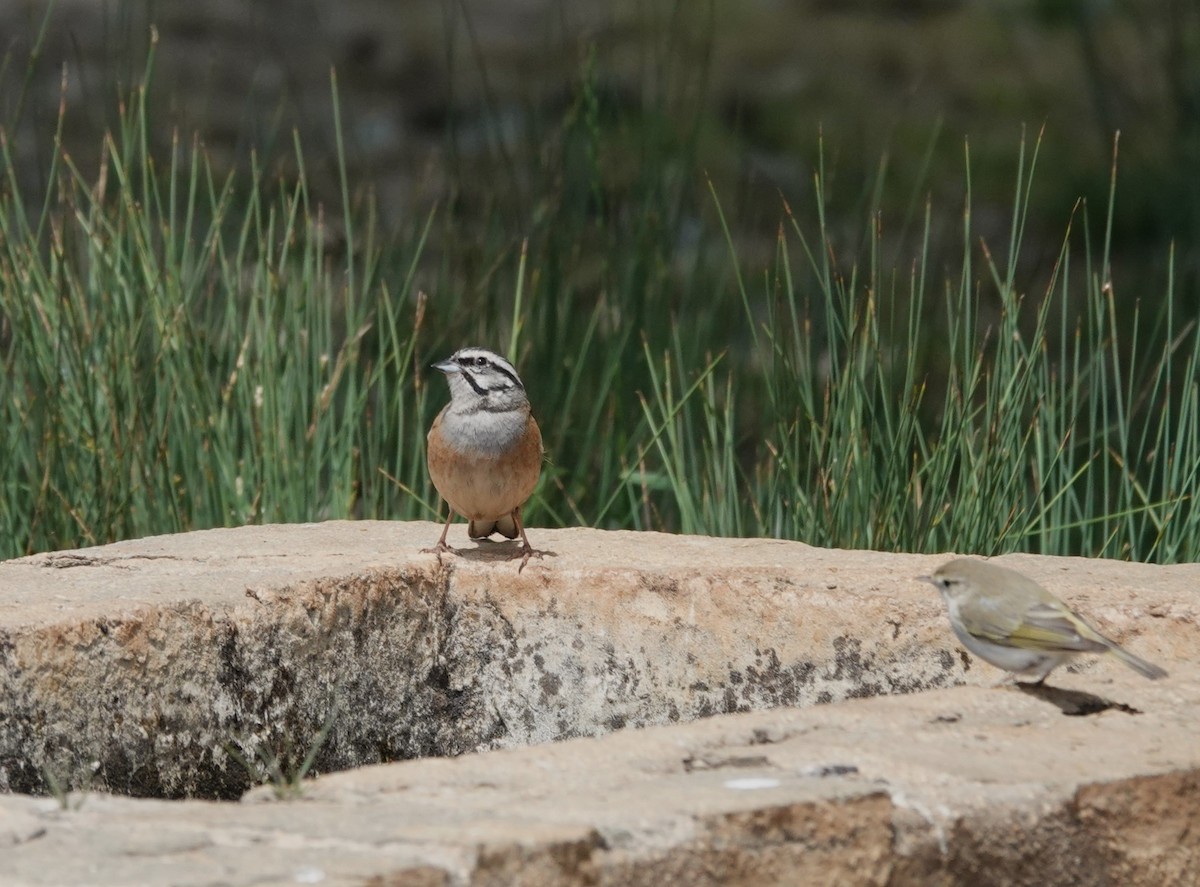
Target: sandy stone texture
{"x":193,"y":665}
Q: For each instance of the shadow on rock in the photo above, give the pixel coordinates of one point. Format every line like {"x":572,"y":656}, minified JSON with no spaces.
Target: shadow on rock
{"x":493,"y":551}
{"x":1075,"y":703}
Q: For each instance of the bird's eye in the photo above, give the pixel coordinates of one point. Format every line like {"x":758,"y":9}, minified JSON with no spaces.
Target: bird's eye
{"x":481,"y":361}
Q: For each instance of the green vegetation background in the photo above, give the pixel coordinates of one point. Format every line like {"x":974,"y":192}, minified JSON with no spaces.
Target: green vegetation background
{"x":786,"y":312}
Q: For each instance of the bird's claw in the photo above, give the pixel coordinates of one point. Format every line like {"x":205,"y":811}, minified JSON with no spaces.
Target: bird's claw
{"x":525,"y":553}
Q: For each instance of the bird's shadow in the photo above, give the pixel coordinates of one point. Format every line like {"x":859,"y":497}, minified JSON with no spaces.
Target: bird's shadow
{"x":496,"y":551}
{"x":1074,"y":703}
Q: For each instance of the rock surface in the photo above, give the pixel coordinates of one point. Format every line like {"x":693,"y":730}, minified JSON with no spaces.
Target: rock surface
{"x":195,"y":664}
{"x":963,"y":786}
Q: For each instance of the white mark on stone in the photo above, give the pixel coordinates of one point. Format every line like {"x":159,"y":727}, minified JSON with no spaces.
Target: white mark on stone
{"x":751,"y":783}
{"x":900,"y":799}
{"x":309,"y":874}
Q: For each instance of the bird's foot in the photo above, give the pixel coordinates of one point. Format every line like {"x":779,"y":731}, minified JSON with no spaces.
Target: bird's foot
{"x":525,"y":552}
{"x":439,"y":549}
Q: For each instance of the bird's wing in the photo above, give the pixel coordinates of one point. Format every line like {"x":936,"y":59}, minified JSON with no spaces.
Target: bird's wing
{"x":1040,"y":627}
{"x":984,"y":618}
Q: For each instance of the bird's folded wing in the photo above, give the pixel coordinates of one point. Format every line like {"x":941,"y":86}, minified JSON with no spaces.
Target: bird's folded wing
{"x":1040,"y":627}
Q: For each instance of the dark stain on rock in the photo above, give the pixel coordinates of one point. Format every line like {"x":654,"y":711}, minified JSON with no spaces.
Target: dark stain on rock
{"x":731,"y":703}
{"x":768,"y":683}
{"x":550,"y":684}
{"x":130,"y":770}
{"x":666,"y":586}
{"x":851,"y":665}
{"x":865,"y":690}
{"x":762,"y":736}
{"x":224,"y":783}
{"x":847,"y":659}
{"x":233,"y":673}
{"x":945,"y":660}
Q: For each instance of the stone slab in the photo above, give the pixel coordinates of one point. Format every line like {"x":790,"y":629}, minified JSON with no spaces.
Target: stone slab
{"x":967,"y":785}
{"x":191,"y":665}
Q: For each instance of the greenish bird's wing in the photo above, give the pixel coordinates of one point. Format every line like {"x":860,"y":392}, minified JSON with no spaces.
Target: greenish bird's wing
{"x":985,"y":617}
{"x":1052,"y":627}
{"x":1041,"y":626}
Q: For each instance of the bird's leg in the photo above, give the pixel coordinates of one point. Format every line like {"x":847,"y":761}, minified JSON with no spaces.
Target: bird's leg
{"x":441,"y":543}
{"x":526,"y":551}
{"x":1042,"y":674}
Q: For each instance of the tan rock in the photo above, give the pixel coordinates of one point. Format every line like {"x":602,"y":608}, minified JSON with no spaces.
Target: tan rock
{"x":148,"y":667}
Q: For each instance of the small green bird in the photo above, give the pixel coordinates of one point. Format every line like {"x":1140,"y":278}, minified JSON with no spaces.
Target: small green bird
{"x":1012,"y":622}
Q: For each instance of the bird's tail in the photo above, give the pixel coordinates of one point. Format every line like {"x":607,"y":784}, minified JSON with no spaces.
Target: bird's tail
{"x":1141,"y":666}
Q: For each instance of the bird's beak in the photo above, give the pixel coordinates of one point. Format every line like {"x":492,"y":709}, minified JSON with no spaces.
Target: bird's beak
{"x":447,"y":366}
{"x":925,"y":579}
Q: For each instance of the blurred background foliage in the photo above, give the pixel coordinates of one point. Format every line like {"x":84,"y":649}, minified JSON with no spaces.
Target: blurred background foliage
{"x":622,"y":196}
{"x":462,"y":103}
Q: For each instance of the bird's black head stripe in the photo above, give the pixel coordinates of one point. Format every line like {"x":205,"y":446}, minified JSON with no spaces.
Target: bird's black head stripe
{"x":467,"y":362}
{"x":511,"y":376}
{"x":479,"y":389}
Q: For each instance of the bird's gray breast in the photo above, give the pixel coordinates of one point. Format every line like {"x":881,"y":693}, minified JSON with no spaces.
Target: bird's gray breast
{"x":484,"y":431}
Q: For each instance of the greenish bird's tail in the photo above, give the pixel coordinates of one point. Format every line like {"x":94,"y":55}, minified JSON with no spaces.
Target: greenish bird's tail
{"x":1141,"y":666}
